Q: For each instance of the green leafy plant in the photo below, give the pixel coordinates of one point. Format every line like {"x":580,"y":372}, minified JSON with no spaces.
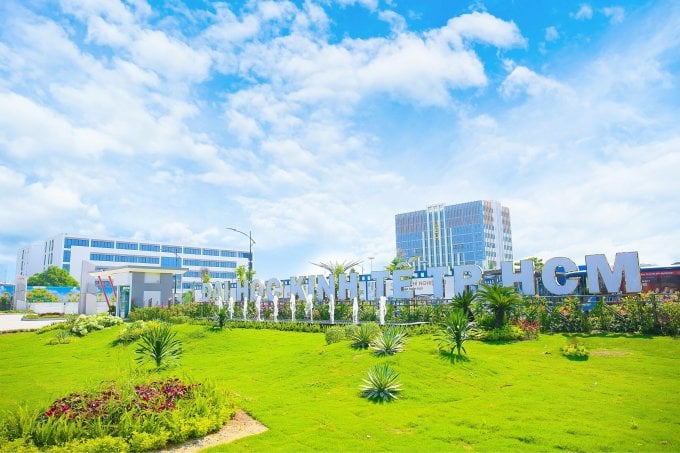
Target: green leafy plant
{"x":62,"y":337}
{"x":382,"y":383}
{"x":133,"y":332}
{"x":160,"y":346}
{"x":221,"y":318}
{"x":335,"y":334}
{"x":575,"y":351}
{"x":506,"y":333}
{"x":454,"y":331}
{"x":84,"y":324}
{"x":388,"y":341}
{"x":364,"y":335}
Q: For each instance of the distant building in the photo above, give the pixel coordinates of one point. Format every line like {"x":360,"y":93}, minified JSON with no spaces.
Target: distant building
{"x":477,"y":232}
{"x":69,"y":252}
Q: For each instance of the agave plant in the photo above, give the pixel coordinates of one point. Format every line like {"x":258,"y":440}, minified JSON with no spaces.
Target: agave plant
{"x":389,"y":341}
{"x":382,"y":383}
{"x":160,"y":346}
{"x":455,"y":331}
{"x":364,"y":334}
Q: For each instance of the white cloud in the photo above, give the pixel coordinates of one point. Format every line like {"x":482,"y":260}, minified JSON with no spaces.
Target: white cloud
{"x":396,"y":21}
{"x":585,"y":12}
{"x":616,"y":14}
{"x":524,"y":80}
{"x":551,"y":34}
{"x":371,"y":5}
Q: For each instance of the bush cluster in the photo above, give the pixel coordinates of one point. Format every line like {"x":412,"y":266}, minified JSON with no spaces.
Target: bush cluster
{"x":574,"y":350}
{"x":134,"y":331}
{"x":84,"y":324}
{"x":133,"y":416}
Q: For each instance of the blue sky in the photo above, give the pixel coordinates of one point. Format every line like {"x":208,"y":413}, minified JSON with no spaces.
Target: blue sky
{"x":313,"y":123}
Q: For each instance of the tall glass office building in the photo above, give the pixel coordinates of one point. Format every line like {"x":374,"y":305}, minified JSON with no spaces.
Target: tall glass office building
{"x":69,"y":252}
{"x":477,"y":232}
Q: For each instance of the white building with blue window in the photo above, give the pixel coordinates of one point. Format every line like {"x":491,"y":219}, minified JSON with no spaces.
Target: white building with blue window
{"x":70,"y":251}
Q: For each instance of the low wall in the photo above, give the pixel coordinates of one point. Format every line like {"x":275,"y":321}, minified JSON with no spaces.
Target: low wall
{"x":55,"y":307}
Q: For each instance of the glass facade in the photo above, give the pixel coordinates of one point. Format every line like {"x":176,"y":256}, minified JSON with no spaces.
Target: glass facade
{"x":477,"y":232}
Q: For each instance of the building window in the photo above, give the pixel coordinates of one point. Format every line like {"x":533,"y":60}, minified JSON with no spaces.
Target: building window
{"x":211,"y":252}
{"x":171,"y":262}
{"x":150,"y":247}
{"x":127,"y":245}
{"x":228,"y":253}
{"x":102,"y":244}
{"x":67,"y":256}
{"x":68,"y":242}
{"x":66,"y":267}
{"x":171,"y":249}
{"x":192,"y":251}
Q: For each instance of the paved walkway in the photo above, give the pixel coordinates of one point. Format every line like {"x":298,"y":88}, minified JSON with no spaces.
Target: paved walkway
{"x":11,"y":322}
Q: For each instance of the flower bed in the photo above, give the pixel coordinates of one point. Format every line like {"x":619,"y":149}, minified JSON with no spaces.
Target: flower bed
{"x":131,"y":417}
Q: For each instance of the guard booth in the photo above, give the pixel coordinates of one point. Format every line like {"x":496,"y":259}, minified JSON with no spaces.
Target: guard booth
{"x":138,"y":286}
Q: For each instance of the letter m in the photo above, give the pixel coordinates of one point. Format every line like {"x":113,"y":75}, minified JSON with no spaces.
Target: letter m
{"x":626,"y":269}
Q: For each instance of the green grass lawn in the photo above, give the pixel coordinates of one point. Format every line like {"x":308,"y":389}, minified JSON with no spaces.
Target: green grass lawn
{"x":520,"y":396}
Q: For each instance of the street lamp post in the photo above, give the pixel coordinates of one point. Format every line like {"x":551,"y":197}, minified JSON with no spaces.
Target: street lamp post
{"x":250,"y":255}
{"x":371,"y":260}
{"x":174,"y":278}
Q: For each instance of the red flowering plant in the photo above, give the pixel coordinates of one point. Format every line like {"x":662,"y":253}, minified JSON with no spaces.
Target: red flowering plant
{"x":157,"y":396}
{"x":160,"y":396}
{"x":84,"y":405}
{"x":531,"y":329}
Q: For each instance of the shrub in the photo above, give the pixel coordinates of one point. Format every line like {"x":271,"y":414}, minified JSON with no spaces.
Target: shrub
{"x":62,"y":337}
{"x":455,"y":331}
{"x":104,"y":444}
{"x":364,"y":335}
{"x":506,"y":333}
{"x":575,"y":351}
{"x":55,"y":326}
{"x":388,"y":341}
{"x":335,"y":334}
{"x":149,"y":314}
{"x":669,"y":318}
{"x":382,"y":383}
{"x":531,"y":329}
{"x":221,"y":318}
{"x":133,"y":332}
{"x":84,"y":324}
{"x":159,"y":345}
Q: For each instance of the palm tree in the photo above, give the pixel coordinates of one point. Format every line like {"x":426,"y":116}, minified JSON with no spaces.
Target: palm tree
{"x":463,"y":301}
{"x":243,"y":274}
{"x":398,"y":263}
{"x":499,"y":299}
{"x":336,"y":268}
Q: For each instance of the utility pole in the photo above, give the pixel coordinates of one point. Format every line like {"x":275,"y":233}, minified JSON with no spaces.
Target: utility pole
{"x":250,"y":256}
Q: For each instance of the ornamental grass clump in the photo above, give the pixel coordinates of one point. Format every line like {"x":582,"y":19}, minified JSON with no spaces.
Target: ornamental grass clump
{"x":389,"y":341}
{"x":364,"y":335}
{"x":382,"y":384}
{"x":160,"y":346}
